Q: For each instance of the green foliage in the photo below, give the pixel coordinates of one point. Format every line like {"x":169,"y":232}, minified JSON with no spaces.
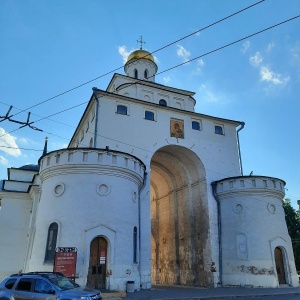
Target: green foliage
{"x":292,"y":219}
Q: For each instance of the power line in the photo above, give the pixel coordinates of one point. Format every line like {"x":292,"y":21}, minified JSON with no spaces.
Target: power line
{"x":9,"y":147}
{"x":208,"y":26}
{"x":245,"y":178}
{"x":168,"y":45}
{"x":76,"y":87}
{"x":215,"y":50}
{"x":205,"y":54}
{"x":230,"y":44}
{"x":23,"y":124}
{"x":178,"y":65}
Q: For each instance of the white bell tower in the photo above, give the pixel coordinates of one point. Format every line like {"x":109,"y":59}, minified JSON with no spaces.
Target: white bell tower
{"x":141,"y":65}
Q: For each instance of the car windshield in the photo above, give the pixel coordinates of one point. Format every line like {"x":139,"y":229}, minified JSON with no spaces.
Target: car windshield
{"x":62,"y":282}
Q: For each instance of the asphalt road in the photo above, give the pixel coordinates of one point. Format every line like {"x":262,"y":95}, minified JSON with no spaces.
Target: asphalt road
{"x":181,"y":293}
{"x":273,"y":297}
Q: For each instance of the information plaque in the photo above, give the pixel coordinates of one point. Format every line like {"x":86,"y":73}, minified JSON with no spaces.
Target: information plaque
{"x":65,"y":261}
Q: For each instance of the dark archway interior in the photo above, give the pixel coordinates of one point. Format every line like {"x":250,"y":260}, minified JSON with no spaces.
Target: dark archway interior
{"x":179,"y":218}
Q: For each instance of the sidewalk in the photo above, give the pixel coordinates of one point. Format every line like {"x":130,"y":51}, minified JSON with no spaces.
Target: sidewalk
{"x":196,"y":293}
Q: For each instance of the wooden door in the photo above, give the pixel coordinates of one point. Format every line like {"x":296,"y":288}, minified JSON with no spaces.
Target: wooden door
{"x":280,"y":266}
{"x":98,"y":261}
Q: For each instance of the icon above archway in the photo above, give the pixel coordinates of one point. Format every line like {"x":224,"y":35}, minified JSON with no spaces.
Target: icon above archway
{"x":177,"y":128}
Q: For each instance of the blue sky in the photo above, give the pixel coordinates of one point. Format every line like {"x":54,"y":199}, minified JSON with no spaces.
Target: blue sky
{"x":49,"y":47}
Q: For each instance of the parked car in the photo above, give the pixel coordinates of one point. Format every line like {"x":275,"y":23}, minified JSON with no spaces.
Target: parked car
{"x":44,"y":285}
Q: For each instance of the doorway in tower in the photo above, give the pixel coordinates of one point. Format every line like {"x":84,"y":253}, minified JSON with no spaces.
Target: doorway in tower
{"x":97,"y":266}
{"x":180,"y":237}
{"x":280,"y":266}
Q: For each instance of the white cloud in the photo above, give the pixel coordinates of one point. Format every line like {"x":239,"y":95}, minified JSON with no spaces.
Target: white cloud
{"x":208,"y":95}
{"x":183,"y":53}
{"x":8,"y":143}
{"x":3,"y":160}
{"x":23,"y":141}
{"x":200,"y":63}
{"x":267,"y":75}
{"x":295,"y":59}
{"x":245,"y":47}
{"x":270,"y":47}
{"x":124,"y":53}
{"x":256,"y":59}
{"x":199,"y":66}
{"x":167,"y":79}
{"x":295,"y":53}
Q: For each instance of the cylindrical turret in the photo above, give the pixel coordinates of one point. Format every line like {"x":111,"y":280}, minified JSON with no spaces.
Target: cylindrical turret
{"x":256,"y":246}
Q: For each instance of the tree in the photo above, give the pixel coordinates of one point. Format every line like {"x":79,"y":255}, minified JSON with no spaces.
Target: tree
{"x":292,"y":219}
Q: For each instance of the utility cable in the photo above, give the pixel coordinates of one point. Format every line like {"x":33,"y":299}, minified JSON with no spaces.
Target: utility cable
{"x":205,"y":54}
{"x":208,"y":26}
{"x":197,"y":58}
{"x":112,"y":71}
{"x":178,"y":65}
{"x":230,"y":44}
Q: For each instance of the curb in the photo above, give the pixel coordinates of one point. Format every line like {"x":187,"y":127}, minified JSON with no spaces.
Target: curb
{"x":231,"y":296}
{"x":114,"y":295}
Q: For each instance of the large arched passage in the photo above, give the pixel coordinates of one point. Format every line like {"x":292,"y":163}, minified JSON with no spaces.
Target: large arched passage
{"x":179,"y":218}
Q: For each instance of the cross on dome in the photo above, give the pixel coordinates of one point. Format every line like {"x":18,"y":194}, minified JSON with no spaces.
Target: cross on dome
{"x":141,"y":42}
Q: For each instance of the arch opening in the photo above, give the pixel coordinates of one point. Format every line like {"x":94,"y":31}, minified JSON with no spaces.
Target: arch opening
{"x":98,"y":263}
{"x":179,"y":218}
{"x":280,"y":267}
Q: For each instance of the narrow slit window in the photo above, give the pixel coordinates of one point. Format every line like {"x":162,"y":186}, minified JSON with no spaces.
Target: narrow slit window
{"x":51,"y":242}
{"x":122,"y":109}
{"x":135,"y":73}
{"x":135,"y":244}
{"x":146,"y":74}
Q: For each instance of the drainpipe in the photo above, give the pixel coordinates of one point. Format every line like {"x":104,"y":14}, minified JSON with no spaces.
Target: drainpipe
{"x":238,"y":141}
{"x":139,"y":209}
{"x":96,"y":121}
{"x":214,"y":189}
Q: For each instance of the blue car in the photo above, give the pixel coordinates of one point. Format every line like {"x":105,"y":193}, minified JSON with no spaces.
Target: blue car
{"x":44,"y":286}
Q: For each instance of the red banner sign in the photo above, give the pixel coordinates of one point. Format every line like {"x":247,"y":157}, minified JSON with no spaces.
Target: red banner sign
{"x":65,"y":261}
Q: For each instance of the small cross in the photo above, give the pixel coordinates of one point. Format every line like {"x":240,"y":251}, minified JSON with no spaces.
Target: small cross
{"x":141,"y":42}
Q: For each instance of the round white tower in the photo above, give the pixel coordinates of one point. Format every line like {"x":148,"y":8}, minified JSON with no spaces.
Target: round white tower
{"x":90,"y":200}
{"x":141,"y":65}
{"x":256,"y":246}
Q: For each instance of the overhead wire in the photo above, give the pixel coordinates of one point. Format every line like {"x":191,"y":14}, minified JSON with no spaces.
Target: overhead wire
{"x":178,"y":65}
{"x":217,"y":49}
{"x":76,"y":87}
{"x":168,"y":45}
{"x":212,"y":51}
{"x":229,"y":44}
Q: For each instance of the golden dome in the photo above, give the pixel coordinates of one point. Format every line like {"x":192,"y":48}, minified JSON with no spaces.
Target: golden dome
{"x":138,"y":54}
